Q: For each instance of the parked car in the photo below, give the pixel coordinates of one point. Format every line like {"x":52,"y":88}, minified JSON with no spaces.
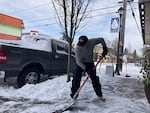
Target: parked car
{"x":32,"y":57}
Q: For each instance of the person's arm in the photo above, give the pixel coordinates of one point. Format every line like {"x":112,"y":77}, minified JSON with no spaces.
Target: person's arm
{"x":96,"y":41}
{"x":105,"y":50}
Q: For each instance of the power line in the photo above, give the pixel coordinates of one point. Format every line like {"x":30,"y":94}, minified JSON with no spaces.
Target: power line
{"x":86,"y":17}
{"x":26,"y":9}
{"x":41,"y":25}
{"x":23,"y":10}
{"x":87,"y":11}
{"x":94,"y":16}
{"x":39,"y":20}
{"x":104,"y":8}
{"x":133,"y":14}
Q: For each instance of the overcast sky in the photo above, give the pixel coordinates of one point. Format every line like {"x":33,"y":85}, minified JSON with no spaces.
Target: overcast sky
{"x":39,"y":15}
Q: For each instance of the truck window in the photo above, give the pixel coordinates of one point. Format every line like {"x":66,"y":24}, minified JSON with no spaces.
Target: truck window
{"x":61,"y":48}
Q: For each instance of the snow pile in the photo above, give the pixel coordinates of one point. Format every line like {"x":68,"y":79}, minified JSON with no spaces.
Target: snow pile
{"x":123,"y":95}
{"x":30,"y":42}
{"x":36,"y":42}
{"x":47,"y":90}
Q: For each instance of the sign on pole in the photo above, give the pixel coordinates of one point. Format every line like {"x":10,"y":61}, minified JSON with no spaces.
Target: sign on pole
{"x":114,"y":25}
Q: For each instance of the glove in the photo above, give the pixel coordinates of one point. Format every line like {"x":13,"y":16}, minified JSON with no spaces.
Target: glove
{"x":105,"y":50}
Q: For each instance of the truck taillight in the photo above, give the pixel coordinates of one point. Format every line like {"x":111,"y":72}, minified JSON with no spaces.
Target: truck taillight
{"x":3,"y":56}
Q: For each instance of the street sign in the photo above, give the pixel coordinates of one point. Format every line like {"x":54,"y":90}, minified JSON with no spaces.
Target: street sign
{"x":114,"y":25}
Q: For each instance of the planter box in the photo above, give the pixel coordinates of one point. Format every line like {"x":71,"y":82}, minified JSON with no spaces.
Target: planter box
{"x":147,"y":92}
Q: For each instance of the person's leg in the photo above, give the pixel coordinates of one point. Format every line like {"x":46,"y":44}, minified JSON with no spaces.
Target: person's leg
{"x":76,"y":80}
{"x":96,"y":83}
{"x":94,"y":78}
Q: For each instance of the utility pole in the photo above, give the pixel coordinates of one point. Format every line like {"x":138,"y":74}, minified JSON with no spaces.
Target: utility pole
{"x":122,"y":13}
{"x":119,"y":52}
{"x":122,"y":33}
{"x":121,"y":36}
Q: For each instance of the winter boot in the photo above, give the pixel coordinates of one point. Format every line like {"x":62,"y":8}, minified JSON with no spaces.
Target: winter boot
{"x":102,"y":98}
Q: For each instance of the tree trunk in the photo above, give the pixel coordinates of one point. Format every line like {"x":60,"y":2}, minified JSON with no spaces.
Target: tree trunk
{"x":69,"y":64}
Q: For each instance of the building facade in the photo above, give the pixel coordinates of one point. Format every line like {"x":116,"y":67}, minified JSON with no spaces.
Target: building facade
{"x":144,"y":9}
{"x":10,"y":27}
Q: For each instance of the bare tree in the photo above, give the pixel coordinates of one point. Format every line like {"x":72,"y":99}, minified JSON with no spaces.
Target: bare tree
{"x":70,"y":14}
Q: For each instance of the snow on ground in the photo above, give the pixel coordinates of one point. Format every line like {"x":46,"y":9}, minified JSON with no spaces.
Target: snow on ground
{"x":123,"y":95}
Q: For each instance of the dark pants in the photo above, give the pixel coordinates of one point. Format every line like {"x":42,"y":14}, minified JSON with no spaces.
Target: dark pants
{"x":77,"y":79}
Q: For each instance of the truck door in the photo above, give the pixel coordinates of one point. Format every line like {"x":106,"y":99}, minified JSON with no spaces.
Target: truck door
{"x":60,"y":56}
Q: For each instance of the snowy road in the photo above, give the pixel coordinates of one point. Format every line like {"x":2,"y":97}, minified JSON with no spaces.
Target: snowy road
{"x":123,"y":95}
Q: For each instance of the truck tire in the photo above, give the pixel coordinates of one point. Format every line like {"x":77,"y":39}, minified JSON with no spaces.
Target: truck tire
{"x":29,"y":75}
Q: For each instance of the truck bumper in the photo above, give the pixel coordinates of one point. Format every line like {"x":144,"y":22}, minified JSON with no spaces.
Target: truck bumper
{"x":2,"y":74}
{"x":9,"y":71}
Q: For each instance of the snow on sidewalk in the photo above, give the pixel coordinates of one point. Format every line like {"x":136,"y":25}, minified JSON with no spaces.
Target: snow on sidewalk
{"x":123,"y":95}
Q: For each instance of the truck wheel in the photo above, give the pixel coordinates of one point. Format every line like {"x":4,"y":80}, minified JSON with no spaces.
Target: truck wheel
{"x":28,"y":76}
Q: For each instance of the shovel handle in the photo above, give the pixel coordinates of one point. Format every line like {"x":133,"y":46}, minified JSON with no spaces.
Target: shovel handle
{"x":100,"y":59}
